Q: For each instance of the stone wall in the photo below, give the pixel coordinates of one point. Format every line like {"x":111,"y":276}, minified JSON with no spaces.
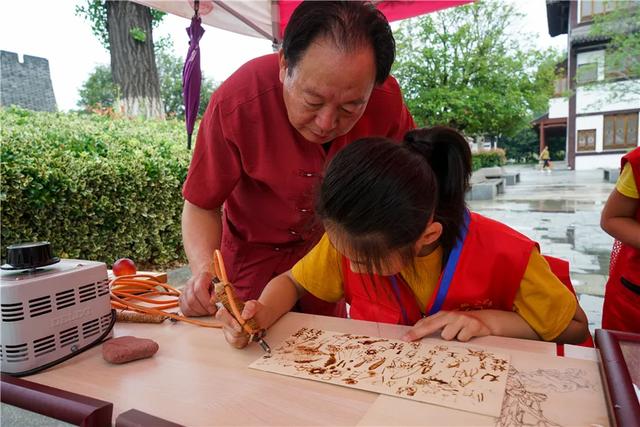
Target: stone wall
{"x":27,"y":84}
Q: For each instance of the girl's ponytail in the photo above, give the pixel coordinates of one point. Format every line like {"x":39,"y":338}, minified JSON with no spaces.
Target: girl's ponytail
{"x":448,"y":154}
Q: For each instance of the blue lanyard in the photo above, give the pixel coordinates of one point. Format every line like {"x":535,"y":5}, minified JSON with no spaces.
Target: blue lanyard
{"x":396,"y":291}
{"x":450,"y":268}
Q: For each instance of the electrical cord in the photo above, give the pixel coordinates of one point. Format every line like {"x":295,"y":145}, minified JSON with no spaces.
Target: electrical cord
{"x":140,"y":293}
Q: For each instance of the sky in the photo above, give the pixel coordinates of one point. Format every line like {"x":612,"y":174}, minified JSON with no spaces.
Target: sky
{"x":51,"y":29}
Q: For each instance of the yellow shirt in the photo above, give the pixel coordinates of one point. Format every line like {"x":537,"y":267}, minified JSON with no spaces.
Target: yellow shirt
{"x":545,"y":155}
{"x":543,"y":301}
{"x":626,"y":184}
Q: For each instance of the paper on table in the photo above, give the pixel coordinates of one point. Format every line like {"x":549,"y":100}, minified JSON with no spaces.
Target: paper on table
{"x":466,"y":378}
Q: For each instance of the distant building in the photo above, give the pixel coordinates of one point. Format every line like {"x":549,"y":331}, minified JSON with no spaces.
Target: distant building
{"x":553,"y":124}
{"x":26,"y":84}
{"x":482,"y":143}
{"x":599,"y":130}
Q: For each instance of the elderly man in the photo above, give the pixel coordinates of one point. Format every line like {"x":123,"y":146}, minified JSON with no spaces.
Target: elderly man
{"x":266,"y":136}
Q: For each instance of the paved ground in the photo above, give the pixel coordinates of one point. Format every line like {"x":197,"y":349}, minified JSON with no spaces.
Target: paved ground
{"x":561,"y":211}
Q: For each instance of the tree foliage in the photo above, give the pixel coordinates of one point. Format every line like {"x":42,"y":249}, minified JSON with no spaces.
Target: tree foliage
{"x":98,"y":91}
{"x":463,"y":68}
{"x":524,"y":146}
{"x":95,"y":12}
{"x":620,"y":27}
{"x":170,"y":71}
{"x":96,"y":187}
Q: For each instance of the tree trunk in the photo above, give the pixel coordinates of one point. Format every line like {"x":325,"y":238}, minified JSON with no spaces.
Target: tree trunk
{"x":133,"y":63}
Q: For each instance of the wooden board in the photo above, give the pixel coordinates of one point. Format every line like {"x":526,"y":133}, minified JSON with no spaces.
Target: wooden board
{"x":466,"y":378}
{"x":542,"y":390}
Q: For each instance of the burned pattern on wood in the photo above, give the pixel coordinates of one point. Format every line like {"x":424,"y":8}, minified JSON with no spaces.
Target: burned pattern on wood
{"x":460,"y":377}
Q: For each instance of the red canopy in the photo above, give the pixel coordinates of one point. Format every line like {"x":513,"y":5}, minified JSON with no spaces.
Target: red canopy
{"x":268,"y":18}
{"x":393,"y":10}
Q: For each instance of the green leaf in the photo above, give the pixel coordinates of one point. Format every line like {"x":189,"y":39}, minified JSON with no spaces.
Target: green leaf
{"x":463,"y":67}
{"x":138,"y":34}
{"x":96,"y":187}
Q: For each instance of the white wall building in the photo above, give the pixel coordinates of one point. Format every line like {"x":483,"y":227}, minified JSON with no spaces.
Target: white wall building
{"x":602,"y":121}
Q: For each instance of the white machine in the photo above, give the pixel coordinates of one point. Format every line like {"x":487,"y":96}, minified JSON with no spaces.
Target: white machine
{"x":51,"y":309}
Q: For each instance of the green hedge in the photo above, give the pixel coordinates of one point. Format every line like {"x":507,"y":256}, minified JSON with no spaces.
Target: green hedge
{"x":489,"y":158}
{"x":97,"y":188}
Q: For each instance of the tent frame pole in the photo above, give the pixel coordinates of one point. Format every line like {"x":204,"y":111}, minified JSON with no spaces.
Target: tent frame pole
{"x":275,"y":25}
{"x":241,"y":18}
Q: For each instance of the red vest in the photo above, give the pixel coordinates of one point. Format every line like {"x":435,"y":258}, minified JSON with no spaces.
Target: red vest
{"x":480,"y":279}
{"x":621,"y":310}
{"x":376,"y":298}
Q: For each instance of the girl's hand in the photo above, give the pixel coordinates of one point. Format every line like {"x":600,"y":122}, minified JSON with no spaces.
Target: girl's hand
{"x":462,"y":325}
{"x":233,"y":332}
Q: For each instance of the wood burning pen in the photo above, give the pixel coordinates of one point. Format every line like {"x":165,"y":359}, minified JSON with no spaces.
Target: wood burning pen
{"x":225,"y":294}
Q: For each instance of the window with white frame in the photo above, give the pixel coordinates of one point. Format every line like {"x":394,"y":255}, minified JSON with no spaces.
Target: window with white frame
{"x":591,"y":8}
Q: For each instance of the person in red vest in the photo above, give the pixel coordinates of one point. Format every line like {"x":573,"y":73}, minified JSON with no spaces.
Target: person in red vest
{"x":266,"y":136}
{"x":401,"y":247}
{"x":621,"y":219}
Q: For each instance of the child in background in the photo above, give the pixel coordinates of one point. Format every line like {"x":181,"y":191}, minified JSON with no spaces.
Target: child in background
{"x":400,"y":244}
{"x":621,"y":219}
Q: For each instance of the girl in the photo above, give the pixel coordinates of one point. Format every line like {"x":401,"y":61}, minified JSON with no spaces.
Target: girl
{"x":400,"y":245}
{"x":621,"y":219}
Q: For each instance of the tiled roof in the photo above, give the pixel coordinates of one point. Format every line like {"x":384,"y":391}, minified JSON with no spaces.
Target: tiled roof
{"x":558,"y":17}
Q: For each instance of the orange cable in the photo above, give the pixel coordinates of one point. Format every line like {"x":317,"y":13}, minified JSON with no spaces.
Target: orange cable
{"x":221,"y":272}
{"x":139,"y":287}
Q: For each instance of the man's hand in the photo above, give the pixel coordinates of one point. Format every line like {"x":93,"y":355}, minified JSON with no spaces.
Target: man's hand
{"x":198,"y":298}
{"x":462,"y":325}
{"x":233,"y":332}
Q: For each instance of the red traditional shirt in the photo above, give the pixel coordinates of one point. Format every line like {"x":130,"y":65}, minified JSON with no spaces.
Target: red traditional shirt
{"x":249,"y":157}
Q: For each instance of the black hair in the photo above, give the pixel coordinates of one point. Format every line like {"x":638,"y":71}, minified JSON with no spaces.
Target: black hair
{"x":449,"y":155}
{"x":380,"y":195}
{"x":349,"y":25}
